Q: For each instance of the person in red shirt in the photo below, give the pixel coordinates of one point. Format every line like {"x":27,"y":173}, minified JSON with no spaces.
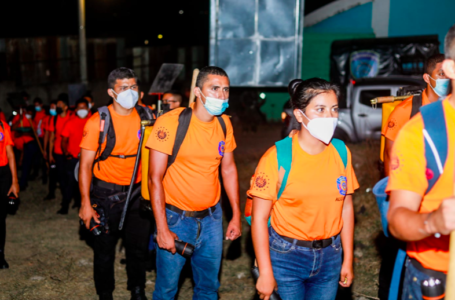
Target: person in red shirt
{"x":55,"y":144}
{"x":71,"y":138}
{"x":52,"y":170}
{"x":38,"y":120}
{"x":23,"y":134}
{"x":2,"y":116}
{"x":8,"y":183}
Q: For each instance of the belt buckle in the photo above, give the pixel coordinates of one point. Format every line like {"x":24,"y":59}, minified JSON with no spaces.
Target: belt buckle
{"x":189,"y":214}
{"x":317,"y":244}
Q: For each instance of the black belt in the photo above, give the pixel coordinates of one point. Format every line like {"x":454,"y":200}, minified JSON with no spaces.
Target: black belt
{"x":428,"y":272}
{"x":109,"y":186}
{"x":316,"y":244}
{"x":193,"y":214}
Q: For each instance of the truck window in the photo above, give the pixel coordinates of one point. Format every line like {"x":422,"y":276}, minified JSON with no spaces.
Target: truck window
{"x":367,"y":95}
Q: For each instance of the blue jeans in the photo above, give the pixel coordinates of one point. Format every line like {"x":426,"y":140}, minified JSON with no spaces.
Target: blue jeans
{"x":305,"y":273}
{"x":412,"y":281}
{"x":207,"y":236}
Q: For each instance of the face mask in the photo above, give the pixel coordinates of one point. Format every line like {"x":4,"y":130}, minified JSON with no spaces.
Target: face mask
{"x":53,"y":112}
{"x":442,"y":87}
{"x":321,"y":128}
{"x":127,"y":99}
{"x":215,"y":106}
{"x":38,"y":108}
{"x":82,"y":113}
{"x":90,"y":105}
{"x":28,"y":116}
{"x":59,"y":110}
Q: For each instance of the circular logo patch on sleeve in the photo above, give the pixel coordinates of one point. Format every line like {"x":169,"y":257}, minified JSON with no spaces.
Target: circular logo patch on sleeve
{"x":221,"y":147}
{"x":261,"y":182}
{"x":162,"y":134}
{"x":342,"y":185}
{"x":1,"y":136}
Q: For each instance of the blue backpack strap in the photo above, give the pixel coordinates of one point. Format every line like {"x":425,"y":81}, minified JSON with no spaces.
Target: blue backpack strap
{"x":435,"y":136}
{"x":396,"y":275}
{"x":342,"y":151}
{"x":284,"y":157}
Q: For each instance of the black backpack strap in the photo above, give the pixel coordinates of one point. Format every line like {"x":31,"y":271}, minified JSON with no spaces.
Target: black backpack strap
{"x":223,"y":125}
{"x":182,"y":129}
{"x":416,"y":104}
{"x":144,"y":112}
{"x":106,"y":130}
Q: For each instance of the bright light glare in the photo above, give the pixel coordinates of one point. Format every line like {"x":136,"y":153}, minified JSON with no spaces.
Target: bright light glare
{"x":146,"y":42}
{"x":181,"y":12}
{"x":262,"y":95}
{"x":14,"y":113}
{"x":160,"y":36}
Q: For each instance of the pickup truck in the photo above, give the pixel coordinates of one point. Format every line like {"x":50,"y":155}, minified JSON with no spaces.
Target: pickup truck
{"x":357,"y":119}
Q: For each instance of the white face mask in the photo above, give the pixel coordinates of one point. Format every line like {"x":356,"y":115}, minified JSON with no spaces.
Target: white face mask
{"x":127,"y":99}
{"x":82,"y":113}
{"x":321,"y":128}
{"x":90,"y":105}
{"x":28,"y":116}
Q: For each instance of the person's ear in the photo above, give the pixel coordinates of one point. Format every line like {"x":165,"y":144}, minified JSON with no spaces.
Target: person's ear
{"x":448,"y":66}
{"x":110,"y":93}
{"x":142,"y":95}
{"x":298,"y":115}
{"x":426,"y":78}
{"x":197,"y":92}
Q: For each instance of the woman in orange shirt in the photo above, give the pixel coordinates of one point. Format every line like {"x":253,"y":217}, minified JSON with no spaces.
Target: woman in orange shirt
{"x":313,"y":220}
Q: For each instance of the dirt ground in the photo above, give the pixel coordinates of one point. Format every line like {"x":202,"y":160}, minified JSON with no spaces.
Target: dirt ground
{"x":49,"y":261}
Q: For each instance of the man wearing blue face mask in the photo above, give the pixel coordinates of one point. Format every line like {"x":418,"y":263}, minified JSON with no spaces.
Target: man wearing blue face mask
{"x":188,"y":145}
{"x":438,"y":87}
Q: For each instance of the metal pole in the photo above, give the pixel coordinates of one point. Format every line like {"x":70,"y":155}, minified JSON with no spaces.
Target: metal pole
{"x":82,"y":43}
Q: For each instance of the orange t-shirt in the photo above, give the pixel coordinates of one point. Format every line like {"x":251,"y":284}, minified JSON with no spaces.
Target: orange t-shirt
{"x":21,"y":138}
{"x":311,"y":205}
{"x":39,"y":123}
{"x":192,"y":181}
{"x":400,"y":116}
{"x":408,"y":172}
{"x":127,"y":133}
{"x":73,"y":130}
{"x":57,"y":129}
{"x":5,"y":140}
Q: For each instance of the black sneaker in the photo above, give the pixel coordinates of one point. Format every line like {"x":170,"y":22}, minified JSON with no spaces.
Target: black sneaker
{"x":63,"y":211}
{"x":3,"y":263}
{"x":138,"y":293}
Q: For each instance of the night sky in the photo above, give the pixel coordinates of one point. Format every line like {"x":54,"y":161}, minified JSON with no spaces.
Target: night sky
{"x":181,"y":22}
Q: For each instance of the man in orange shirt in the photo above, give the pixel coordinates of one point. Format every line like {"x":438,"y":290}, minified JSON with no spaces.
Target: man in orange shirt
{"x":8,"y":183}
{"x":109,"y":172}
{"x":25,"y":141}
{"x":173,"y":98}
{"x":55,"y":144}
{"x":185,"y":188}
{"x":437,"y":89}
{"x":71,"y":138}
{"x":422,"y":204}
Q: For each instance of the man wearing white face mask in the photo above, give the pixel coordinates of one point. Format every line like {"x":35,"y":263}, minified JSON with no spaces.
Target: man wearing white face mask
{"x":188,"y":145}
{"x":109,"y":146}
{"x":438,"y":88}
{"x":71,"y":138}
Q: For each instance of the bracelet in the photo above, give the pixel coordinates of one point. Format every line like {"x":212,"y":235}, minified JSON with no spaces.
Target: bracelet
{"x":426,"y":224}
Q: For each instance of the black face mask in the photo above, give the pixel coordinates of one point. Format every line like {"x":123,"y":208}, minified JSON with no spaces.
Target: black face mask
{"x":59,"y":110}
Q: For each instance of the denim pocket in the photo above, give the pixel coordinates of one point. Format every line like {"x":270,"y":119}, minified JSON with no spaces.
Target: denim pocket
{"x":336,"y":246}
{"x":217,"y":214}
{"x":280,"y":246}
{"x":173,"y":218}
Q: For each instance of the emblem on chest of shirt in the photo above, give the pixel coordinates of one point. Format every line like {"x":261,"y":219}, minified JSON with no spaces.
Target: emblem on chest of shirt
{"x":261,"y":181}
{"x":342,"y":185}
{"x":162,"y":134}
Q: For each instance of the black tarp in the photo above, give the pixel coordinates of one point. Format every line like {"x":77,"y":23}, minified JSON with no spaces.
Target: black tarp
{"x":359,"y":58}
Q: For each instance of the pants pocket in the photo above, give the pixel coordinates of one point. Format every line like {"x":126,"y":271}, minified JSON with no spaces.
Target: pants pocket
{"x":279,"y":245}
{"x":173,"y":218}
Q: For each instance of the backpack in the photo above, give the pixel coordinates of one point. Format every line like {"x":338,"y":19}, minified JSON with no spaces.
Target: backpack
{"x":182,"y":129}
{"x":284,"y":158}
{"x":436,"y":151}
{"x":107,"y":131}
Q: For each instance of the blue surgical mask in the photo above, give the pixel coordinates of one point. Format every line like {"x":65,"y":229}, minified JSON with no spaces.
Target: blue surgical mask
{"x":53,"y":111}
{"x":38,"y":108}
{"x":442,"y":87}
{"x":215,"y":106}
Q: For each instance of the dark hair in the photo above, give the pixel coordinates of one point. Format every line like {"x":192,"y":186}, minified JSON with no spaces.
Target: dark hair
{"x":64,"y":98}
{"x":30,"y":108}
{"x":82,"y":100}
{"x":53,"y":102}
{"x":206,"y":71}
{"x":38,"y":99}
{"x":449,"y":43}
{"x":431,"y":62}
{"x":303,"y":91}
{"x":120,"y":73}
{"x":175,"y":93}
